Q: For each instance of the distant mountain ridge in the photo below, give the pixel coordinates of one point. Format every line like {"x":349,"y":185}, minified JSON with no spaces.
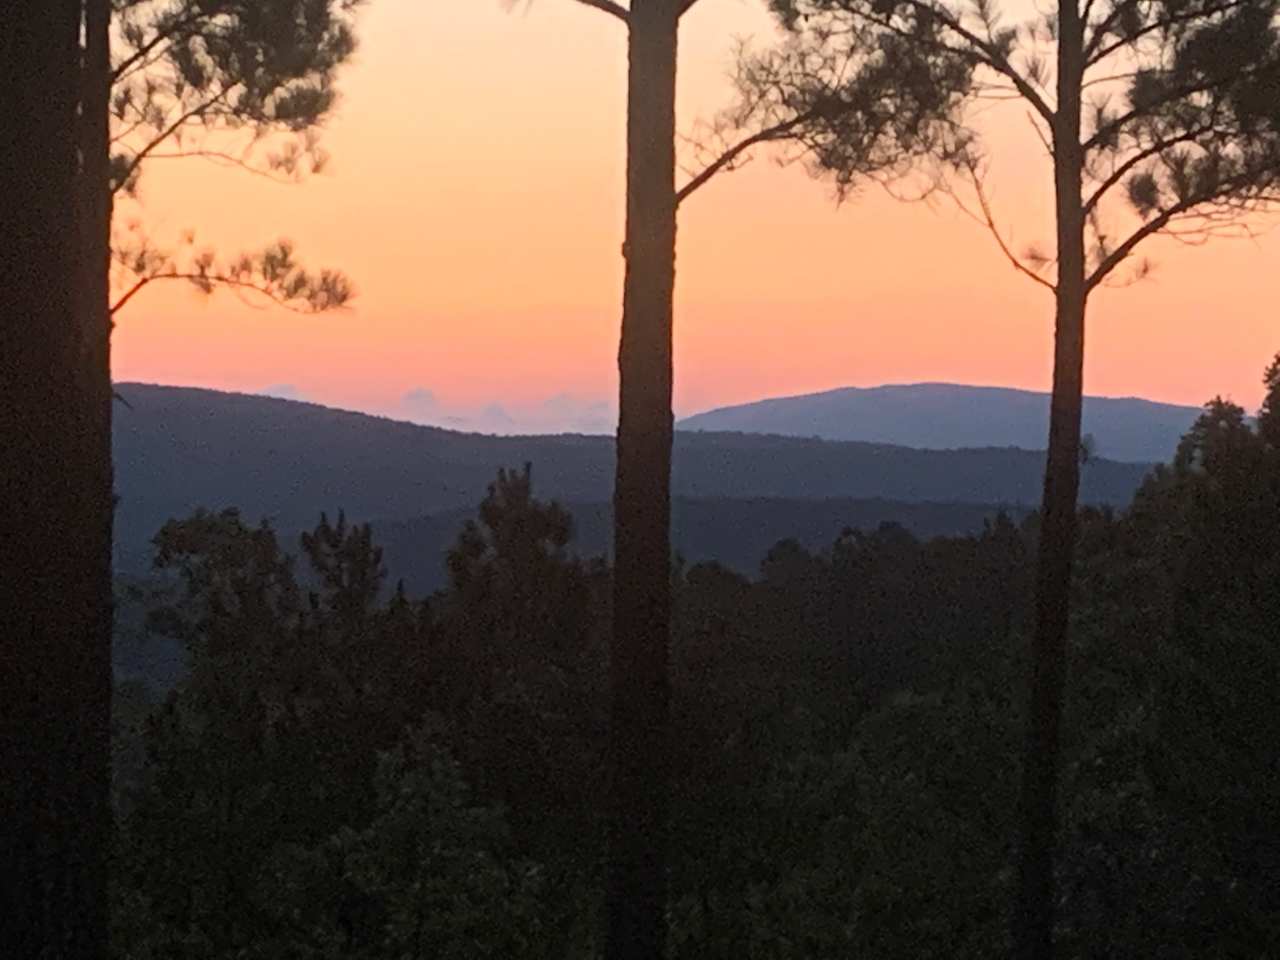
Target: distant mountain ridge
{"x":942,"y":416}
{"x":180,"y":448}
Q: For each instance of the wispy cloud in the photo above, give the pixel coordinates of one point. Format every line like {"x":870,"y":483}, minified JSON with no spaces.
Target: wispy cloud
{"x":420,"y":400}
{"x":562,"y":413}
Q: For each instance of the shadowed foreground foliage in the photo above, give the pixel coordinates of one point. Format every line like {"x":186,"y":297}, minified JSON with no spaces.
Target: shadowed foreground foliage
{"x":346,"y":772}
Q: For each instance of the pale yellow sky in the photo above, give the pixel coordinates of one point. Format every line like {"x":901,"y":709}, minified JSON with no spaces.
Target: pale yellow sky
{"x":475,"y":199}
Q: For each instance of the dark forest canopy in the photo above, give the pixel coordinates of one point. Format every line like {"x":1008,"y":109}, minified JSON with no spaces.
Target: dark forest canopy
{"x":347,"y":770}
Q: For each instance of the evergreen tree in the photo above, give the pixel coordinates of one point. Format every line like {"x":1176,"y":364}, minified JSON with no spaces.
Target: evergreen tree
{"x":640,"y":651}
{"x":1159,"y":117}
{"x":232,"y":82}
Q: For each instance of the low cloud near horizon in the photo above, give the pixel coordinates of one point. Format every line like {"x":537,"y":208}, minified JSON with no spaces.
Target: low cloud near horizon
{"x":562,"y":413}
{"x":419,"y":400}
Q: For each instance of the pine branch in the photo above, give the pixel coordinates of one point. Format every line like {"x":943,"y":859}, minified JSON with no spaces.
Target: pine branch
{"x":205,"y":278}
{"x":1041,"y":135}
{"x":990,"y":54}
{"x":1095,"y":54}
{"x":1105,"y":134}
{"x":779,"y":131}
{"x":161,"y":36}
{"x":219,"y":156}
{"x":164,"y":135}
{"x":609,"y":7}
{"x":1158,"y":223}
{"x":1100,"y":31}
{"x":988,"y":220}
{"x":1129,"y":164}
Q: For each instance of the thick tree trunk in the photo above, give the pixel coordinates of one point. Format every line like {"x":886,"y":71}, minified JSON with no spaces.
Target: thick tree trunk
{"x":636,"y":881}
{"x":55,"y":486}
{"x":1034,"y":911}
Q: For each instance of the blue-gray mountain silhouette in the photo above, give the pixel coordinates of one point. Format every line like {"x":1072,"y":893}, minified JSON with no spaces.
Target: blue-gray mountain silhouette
{"x":177,"y":449}
{"x":942,"y":416}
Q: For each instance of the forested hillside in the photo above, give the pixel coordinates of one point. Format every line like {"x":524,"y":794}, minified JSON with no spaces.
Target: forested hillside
{"x":178,"y":449}
{"x":346,"y":770}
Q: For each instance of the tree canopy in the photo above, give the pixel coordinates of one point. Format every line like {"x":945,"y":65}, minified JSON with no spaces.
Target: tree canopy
{"x":235,"y":82}
{"x":348,"y":770}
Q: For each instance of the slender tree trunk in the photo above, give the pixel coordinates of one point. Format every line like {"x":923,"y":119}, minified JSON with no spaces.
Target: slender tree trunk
{"x":1034,"y":912}
{"x":94,"y":672}
{"x":55,"y":490}
{"x":636,"y":881}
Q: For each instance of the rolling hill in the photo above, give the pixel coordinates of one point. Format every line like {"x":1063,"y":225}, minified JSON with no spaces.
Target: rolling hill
{"x":179,"y":448}
{"x":939,"y":416}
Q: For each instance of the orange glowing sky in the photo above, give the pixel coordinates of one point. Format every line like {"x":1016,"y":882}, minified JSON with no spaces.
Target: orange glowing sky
{"x":475,"y":198}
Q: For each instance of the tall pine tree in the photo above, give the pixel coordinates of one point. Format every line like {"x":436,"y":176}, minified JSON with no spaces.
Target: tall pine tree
{"x":55,"y":540}
{"x":1159,"y":117}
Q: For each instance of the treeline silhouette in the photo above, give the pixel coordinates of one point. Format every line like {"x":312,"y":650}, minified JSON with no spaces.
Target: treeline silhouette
{"x":346,"y":770}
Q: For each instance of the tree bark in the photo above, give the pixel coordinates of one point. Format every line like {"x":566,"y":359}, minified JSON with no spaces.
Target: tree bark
{"x":55,"y":584}
{"x":1034,"y":910}
{"x":97,"y":483}
{"x":636,"y":881}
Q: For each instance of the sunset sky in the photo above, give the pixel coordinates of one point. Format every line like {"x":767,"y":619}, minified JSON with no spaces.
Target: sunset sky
{"x":475,"y":199}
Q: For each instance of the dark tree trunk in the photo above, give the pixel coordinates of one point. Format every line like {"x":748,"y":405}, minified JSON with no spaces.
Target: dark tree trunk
{"x":636,"y":881}
{"x":97,"y":486}
{"x":55,"y":584}
{"x":1034,"y":911}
